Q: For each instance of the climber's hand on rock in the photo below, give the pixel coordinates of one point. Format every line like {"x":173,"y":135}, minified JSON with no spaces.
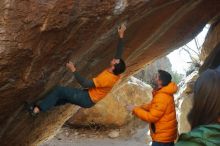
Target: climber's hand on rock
{"x":130,"y":108}
{"x":121,"y":30}
{"x":71,"y":66}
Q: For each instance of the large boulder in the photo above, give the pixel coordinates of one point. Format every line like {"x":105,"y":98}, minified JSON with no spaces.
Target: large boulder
{"x":39,"y":36}
{"x":112,"y":111}
{"x":40,"y":128}
{"x":183,"y":101}
{"x":211,"y":48}
{"x":212,"y":40}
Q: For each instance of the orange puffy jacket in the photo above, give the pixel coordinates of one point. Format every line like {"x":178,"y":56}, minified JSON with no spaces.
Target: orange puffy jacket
{"x":161,"y":114}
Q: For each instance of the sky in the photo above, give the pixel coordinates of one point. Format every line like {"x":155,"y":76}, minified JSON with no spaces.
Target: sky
{"x":180,"y":58}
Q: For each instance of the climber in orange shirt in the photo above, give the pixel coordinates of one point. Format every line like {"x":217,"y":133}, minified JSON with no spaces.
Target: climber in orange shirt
{"x":96,"y":89}
{"x":160,"y":112}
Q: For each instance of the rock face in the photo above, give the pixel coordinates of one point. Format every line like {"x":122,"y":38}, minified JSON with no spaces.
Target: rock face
{"x":211,"y":48}
{"x":40,"y":128}
{"x":183,"y":102}
{"x":112,"y":111}
{"x":38,"y":37}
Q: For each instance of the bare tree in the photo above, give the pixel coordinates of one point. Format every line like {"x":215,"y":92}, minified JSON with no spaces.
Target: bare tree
{"x":194,"y":53}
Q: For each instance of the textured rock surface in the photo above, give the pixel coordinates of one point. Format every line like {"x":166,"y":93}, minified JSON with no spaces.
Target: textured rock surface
{"x":211,"y":48}
{"x":111,"y":111}
{"x":32,"y":131}
{"x":212,"y":40}
{"x":38,"y":37}
{"x":183,"y":102}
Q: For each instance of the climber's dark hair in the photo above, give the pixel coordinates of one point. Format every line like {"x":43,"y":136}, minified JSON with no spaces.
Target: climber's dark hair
{"x":165,"y":77}
{"x":206,"y":99}
{"x":120,"y":67}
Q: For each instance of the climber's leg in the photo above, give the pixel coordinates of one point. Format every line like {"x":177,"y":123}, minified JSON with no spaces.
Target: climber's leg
{"x":62,"y":95}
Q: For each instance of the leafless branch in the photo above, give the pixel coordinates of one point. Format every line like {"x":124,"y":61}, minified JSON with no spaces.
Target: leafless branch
{"x":192,"y":50}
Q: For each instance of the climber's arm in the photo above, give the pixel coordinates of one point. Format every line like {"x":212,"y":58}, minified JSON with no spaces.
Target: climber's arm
{"x":82,"y":81}
{"x":120,"y":49}
{"x":120,"y":46}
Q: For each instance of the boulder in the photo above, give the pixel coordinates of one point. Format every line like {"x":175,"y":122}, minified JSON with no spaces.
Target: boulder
{"x":211,"y":48}
{"x":111,"y":111}
{"x":37,"y":38}
{"x":183,"y":101}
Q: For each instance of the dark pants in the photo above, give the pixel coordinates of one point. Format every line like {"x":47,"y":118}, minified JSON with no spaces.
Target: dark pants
{"x":62,"y":95}
{"x":162,"y":144}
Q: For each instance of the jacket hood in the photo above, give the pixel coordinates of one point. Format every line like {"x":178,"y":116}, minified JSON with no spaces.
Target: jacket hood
{"x":171,"y":89}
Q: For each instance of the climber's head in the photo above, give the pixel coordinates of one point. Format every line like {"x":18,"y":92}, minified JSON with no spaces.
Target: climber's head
{"x":117,"y":66}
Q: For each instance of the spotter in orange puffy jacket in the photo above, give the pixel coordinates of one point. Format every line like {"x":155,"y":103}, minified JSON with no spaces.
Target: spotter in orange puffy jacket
{"x":161,"y":114}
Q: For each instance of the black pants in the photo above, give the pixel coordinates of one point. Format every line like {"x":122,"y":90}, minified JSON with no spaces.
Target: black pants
{"x":62,"y":95}
{"x":162,"y":144}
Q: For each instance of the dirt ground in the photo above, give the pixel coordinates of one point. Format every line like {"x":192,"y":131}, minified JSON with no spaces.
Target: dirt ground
{"x":128,"y":136}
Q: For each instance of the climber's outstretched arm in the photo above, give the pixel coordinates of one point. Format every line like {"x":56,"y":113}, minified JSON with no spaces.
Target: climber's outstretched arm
{"x":120,"y":46}
{"x":82,"y":81}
